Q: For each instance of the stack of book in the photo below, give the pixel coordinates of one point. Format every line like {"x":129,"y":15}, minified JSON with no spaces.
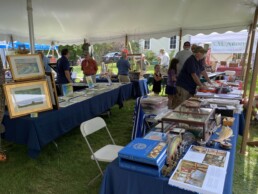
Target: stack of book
{"x":144,"y":155}
{"x":202,"y":170}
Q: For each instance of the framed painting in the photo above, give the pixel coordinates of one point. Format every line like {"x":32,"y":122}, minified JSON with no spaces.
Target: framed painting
{"x":67,"y":89}
{"x":26,"y":67}
{"x":89,"y":81}
{"x":52,"y":89}
{"x":27,"y":97}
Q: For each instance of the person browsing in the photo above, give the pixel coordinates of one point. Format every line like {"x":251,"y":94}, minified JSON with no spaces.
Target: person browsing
{"x":123,"y":66}
{"x":189,"y":77}
{"x":89,"y":67}
{"x":183,"y":55}
{"x":63,"y":68}
{"x":45,"y":61}
{"x":164,"y":61}
{"x":171,"y":81}
{"x":157,"y":78}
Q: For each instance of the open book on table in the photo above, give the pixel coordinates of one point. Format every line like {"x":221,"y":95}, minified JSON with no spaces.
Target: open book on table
{"x":202,"y":170}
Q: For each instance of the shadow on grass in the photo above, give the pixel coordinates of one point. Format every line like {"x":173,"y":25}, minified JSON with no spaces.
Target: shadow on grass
{"x":246,"y":168}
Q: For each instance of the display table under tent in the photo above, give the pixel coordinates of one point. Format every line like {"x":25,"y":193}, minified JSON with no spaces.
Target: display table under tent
{"x":49,"y":125}
{"x":117,"y":180}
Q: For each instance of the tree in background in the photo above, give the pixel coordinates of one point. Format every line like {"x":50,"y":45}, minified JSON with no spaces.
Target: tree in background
{"x":151,"y":57}
{"x":99,"y":50}
{"x":172,"y":54}
{"x":74,"y":50}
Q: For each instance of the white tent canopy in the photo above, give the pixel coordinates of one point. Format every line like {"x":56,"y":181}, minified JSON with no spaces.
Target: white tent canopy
{"x":69,"y":22}
{"x":229,"y":42}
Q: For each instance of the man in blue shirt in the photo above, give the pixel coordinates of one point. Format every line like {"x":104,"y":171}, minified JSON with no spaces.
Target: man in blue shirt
{"x":189,"y":77}
{"x":123,"y":66}
{"x":63,"y":68}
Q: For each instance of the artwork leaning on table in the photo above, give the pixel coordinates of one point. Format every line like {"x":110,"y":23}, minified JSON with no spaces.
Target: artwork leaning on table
{"x":27,"y":97}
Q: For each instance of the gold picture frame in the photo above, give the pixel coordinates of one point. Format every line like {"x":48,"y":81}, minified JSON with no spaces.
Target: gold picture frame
{"x":52,"y":89}
{"x":27,"y":97}
{"x":26,"y":67}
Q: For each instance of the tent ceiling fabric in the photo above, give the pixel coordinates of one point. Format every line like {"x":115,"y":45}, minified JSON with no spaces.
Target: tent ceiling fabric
{"x":70,"y":21}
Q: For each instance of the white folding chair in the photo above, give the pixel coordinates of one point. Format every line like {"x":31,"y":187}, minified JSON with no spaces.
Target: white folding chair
{"x":105,"y":154}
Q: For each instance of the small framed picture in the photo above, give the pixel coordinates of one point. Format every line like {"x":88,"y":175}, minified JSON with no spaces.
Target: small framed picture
{"x":52,"y":89}
{"x":89,"y":81}
{"x":26,"y":67}
{"x":27,"y":97}
{"x":67,"y":89}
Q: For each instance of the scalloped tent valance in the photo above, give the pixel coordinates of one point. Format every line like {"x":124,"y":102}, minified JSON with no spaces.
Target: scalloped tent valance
{"x":69,"y":22}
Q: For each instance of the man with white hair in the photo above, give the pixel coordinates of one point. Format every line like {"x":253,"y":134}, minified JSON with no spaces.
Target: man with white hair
{"x":183,"y":55}
{"x":164,"y":61}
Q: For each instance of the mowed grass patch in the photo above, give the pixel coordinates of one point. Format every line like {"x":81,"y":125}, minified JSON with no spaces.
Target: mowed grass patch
{"x":68,"y":169}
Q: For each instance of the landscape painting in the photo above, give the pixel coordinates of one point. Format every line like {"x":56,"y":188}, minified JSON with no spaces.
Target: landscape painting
{"x":26,"y":67}
{"x":27,"y":97}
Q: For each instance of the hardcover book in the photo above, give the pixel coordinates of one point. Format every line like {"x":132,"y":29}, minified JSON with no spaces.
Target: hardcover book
{"x":142,"y":167}
{"x":202,"y":170}
{"x":153,"y":135}
{"x":145,"y":151}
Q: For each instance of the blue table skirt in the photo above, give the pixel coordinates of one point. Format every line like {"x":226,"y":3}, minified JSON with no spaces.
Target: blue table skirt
{"x":140,"y":88}
{"x":37,"y":132}
{"x":117,"y":180}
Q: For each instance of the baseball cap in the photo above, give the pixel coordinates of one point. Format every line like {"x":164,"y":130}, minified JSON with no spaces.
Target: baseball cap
{"x":187,"y":43}
{"x":199,"y":49}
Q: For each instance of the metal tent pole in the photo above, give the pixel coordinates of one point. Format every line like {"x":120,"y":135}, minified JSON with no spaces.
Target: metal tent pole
{"x":31,"y":27}
{"x":250,"y":104}
{"x":250,"y":52}
{"x":126,"y":41}
{"x":180,"y":39}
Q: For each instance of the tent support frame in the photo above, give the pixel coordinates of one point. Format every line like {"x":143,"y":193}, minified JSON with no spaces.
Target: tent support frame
{"x":250,"y":52}
{"x":250,"y":105}
{"x":31,"y":27}
{"x":180,"y":38}
{"x":243,"y":61}
{"x":252,"y":86}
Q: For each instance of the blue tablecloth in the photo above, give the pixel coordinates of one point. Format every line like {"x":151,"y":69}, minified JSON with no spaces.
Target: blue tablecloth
{"x":117,"y":180}
{"x":140,"y":88}
{"x":37,"y":132}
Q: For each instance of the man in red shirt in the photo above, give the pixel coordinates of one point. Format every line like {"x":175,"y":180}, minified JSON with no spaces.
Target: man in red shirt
{"x":89,"y":67}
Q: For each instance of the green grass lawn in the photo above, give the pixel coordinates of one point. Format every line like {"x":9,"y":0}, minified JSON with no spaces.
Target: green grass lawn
{"x":69,"y":169}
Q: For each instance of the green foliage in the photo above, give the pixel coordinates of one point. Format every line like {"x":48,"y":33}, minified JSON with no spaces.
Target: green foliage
{"x":99,"y":50}
{"x":172,"y":54}
{"x":69,"y":168}
{"x":74,"y":50}
{"x":135,"y":47}
{"x":151,"y":56}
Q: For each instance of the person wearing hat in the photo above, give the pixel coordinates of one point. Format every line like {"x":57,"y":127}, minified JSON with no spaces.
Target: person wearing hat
{"x":189,"y":77}
{"x":123,"y":67}
{"x":183,"y":55}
